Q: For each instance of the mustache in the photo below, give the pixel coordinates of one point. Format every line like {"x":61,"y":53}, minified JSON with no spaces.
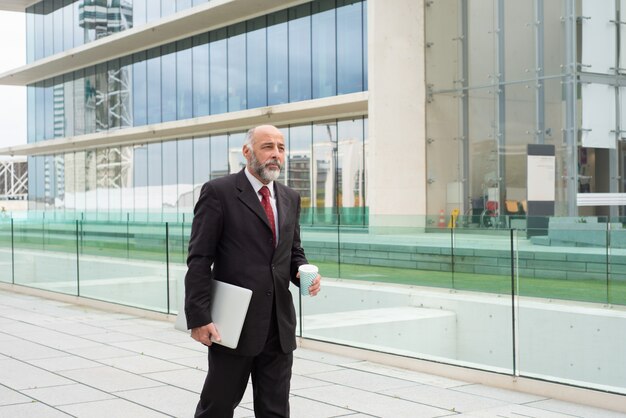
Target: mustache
{"x":273,"y":161}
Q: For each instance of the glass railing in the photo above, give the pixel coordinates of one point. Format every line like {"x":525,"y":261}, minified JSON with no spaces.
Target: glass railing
{"x":546,"y":301}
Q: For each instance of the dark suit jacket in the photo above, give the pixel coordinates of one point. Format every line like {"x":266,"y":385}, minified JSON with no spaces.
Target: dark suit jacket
{"x":231,"y":232}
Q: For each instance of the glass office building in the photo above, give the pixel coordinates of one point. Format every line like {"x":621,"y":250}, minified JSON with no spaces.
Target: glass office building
{"x":305,"y":52}
{"x":133,"y":104}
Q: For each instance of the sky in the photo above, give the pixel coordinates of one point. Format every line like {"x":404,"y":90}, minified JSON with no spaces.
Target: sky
{"x":12,"y":98}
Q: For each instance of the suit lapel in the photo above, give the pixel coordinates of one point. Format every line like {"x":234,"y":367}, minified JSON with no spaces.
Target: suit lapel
{"x":249,"y":198}
{"x":283,"y":207}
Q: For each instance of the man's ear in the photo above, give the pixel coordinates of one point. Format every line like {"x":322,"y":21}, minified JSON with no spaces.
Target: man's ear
{"x":246,"y":151}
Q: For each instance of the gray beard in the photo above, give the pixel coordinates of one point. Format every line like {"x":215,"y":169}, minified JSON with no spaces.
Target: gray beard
{"x":262,"y":171}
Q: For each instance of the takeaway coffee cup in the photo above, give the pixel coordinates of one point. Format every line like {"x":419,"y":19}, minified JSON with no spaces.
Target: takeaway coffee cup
{"x":308,"y":273}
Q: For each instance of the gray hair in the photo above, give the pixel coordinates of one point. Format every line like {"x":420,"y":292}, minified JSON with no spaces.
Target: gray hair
{"x":249,"y":139}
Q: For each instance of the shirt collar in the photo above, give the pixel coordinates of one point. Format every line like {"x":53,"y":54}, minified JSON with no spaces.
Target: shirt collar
{"x":256,"y":183}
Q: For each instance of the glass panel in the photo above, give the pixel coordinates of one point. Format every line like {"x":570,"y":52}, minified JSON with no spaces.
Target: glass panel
{"x":48,"y":28}
{"x":140,"y":182}
{"x":155,"y":182}
{"x":40,"y":113}
{"x":140,"y":90}
{"x":218,"y":71}
{"x":568,"y":332}
{"x":519,"y":19}
{"x":68,"y":24}
{"x":186,"y":165}
{"x":103,"y":182}
{"x":31,"y":103}
{"x":39,"y":31}
{"x":184,"y":77}
{"x":48,"y":109}
{"x":237,"y":67}
{"x":201,"y":164}
{"x":168,"y":82}
{"x":350,"y":62}
{"x":153,"y":69}
{"x":80,"y":97}
{"x":300,"y":53}
{"x":91,"y":178}
{"x":219,"y":156}
{"x":236,"y":160}
{"x":139,"y":12}
{"x":30,"y":34}
{"x":130,"y":260}
{"x":299,"y":165}
{"x":324,"y":170}
{"x":79,"y":31}
{"x":168,"y":7}
{"x":43,"y":245}
{"x":200,"y":58}
{"x":114,"y":168}
{"x":127,"y":190}
{"x":57,"y":21}
{"x":277,"y":58}
{"x":81,"y":181}
{"x":170,"y":181}
{"x":323,"y":48}
{"x":256,"y":47}
{"x":6,"y":257}
{"x":90,"y":99}
{"x":351,"y":172}
{"x":68,"y":104}
{"x":153,"y":10}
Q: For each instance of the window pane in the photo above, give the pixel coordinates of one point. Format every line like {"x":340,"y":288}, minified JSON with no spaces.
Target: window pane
{"x":39,"y":111}
{"x":300,"y":53}
{"x":237,"y":67}
{"x":90,"y":100}
{"x":201,"y":164}
{"x":184,"y":108}
{"x":299,"y":176}
{"x":349,"y":48}
{"x":236,"y":160}
{"x":48,"y":28}
{"x":68,"y":104}
{"x":218,"y":76}
{"x":79,"y":32}
{"x":140,"y":181}
{"x":30,"y":34}
{"x":114,"y":95}
{"x":323,"y":21}
{"x":200,"y":57}
{"x":168,"y":7}
{"x":115,"y":183}
{"x":127,"y":205}
{"x":153,"y":65}
{"x":31,"y":104}
{"x":324,"y":171}
{"x":79,"y":174}
{"x":91,"y":201}
{"x":153,"y":10}
{"x":155,"y":183}
{"x":277,"y":62}
{"x":57,"y":21}
{"x":257,"y":62}
{"x":170,"y":180}
{"x":139,"y":12}
{"x":219,"y":156}
{"x":185,"y":165}
{"x":103,"y":183}
{"x":38,"y":31}
{"x":68,"y":25}
{"x":351,"y":171}
{"x":183,"y":4}
{"x":48,"y":109}
{"x":140,"y":90}
{"x":168,"y":82}
{"x":79,"y":102}
{"x":101,"y":98}
{"x":124,"y":100}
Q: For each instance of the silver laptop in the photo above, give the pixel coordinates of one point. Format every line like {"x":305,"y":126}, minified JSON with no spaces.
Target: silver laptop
{"x":228,"y":310}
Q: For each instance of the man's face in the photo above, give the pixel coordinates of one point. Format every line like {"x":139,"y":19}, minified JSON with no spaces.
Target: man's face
{"x":267,"y":156}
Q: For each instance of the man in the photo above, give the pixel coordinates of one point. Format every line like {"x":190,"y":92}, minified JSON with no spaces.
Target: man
{"x":249,"y":236}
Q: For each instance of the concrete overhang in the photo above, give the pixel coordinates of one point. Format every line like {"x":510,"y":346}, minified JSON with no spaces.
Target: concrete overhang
{"x":16,"y":5}
{"x":329,"y":108}
{"x":199,"y":19}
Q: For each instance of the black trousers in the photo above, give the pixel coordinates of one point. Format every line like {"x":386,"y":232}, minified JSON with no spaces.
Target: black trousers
{"x":228,"y":376}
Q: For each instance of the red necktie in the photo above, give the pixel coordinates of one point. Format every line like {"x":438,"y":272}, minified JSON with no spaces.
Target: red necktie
{"x":265,"y":201}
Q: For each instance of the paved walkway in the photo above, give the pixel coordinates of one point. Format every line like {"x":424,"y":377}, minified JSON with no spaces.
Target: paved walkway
{"x":61,"y":360}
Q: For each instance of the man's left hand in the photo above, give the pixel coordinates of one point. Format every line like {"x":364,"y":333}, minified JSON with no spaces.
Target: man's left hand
{"x":316,"y":286}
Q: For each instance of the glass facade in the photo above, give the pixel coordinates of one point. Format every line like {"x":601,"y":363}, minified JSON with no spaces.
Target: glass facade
{"x":310,"y":51}
{"x":54,"y":26}
{"x":511,"y":74}
{"x":161,"y":181}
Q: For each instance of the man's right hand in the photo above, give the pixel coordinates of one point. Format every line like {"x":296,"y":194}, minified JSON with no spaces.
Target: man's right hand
{"x":204,"y":334}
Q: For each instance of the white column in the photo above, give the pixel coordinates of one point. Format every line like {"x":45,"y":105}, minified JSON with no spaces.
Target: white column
{"x":396,"y":193}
